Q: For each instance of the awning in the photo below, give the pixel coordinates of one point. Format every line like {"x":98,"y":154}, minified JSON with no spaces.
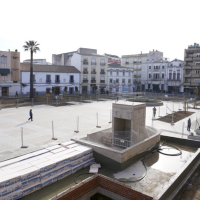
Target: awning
{"x":5,"y":85}
{"x":4,"y":71}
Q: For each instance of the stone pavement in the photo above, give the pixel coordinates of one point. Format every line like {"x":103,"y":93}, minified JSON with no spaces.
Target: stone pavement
{"x":38,"y":133}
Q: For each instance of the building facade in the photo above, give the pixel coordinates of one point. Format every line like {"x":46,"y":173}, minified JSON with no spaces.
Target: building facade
{"x":175,"y":76}
{"x":191,"y":72}
{"x":120,"y":78}
{"x":93,"y":69}
{"x":156,"y":75}
{"x":9,"y":73}
{"x":139,"y":64}
{"x":47,"y":77}
{"x":62,"y":59}
{"x":38,"y":61}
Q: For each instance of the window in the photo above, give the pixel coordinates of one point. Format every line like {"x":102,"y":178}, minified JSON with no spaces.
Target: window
{"x":178,"y":77}
{"x":33,"y":78}
{"x":163,"y":67}
{"x":188,"y":72}
{"x":48,"y":78}
{"x":129,"y":73}
{"x":187,"y":80}
{"x":123,"y":80}
{"x":71,"y":79}
{"x":174,"y":76}
{"x":57,"y":79}
{"x":48,"y":90}
{"x":102,"y":62}
{"x":110,"y":80}
{"x":197,"y":71}
{"x":170,"y":76}
{"x":117,"y":80}
{"x":3,"y":59}
{"x":123,"y":73}
{"x":110,"y":73}
{"x":149,"y":67}
{"x":85,"y":70}
{"x":196,"y":80}
{"x":85,"y":61}
{"x":149,"y":75}
{"x":93,"y":62}
{"x":197,"y":63}
{"x":102,"y":79}
{"x":117,"y":73}
{"x":163,"y":75}
{"x":129,"y":80}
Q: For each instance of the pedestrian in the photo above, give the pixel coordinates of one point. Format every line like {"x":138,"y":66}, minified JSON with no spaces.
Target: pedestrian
{"x":189,"y":124}
{"x":154,"y":111}
{"x":117,"y":98}
{"x":31,"y":115}
{"x":16,"y":94}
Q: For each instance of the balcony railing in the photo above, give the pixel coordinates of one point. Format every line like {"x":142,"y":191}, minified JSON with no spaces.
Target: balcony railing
{"x":85,"y":81}
{"x":93,"y":63}
{"x":137,"y":61}
{"x":102,"y":81}
{"x":93,"y":72}
{"x":137,"y":76}
{"x":102,"y":64}
{"x":71,"y":81}
{"x":85,"y":62}
{"x":57,"y":81}
{"x":48,"y":81}
{"x":85,"y":72}
{"x":137,"y":69}
{"x":102,"y":72}
{"x":93,"y":81}
{"x":137,"y":82}
{"x":126,"y":62}
{"x":170,"y":79}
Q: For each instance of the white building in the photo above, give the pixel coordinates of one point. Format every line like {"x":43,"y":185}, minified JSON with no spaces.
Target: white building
{"x":120,"y":78}
{"x":157,"y":75}
{"x":175,"y":76}
{"x":9,"y":73}
{"x":47,"y":77}
{"x":139,"y":64}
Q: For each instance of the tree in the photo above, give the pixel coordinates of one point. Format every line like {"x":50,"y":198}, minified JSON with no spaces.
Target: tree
{"x":31,"y":46}
{"x":76,"y":89}
{"x":65,"y":89}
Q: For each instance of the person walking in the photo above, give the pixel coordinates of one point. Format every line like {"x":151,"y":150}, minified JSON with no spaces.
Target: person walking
{"x":31,"y":115}
{"x":154,"y":111}
{"x":189,"y":124}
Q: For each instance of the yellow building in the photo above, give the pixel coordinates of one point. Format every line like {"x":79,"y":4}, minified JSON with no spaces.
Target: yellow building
{"x":9,"y":73}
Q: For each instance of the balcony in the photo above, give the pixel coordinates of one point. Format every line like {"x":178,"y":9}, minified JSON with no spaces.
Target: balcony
{"x":48,"y":81}
{"x":123,"y":84}
{"x":85,"y":62}
{"x":71,"y":81}
{"x":93,"y":72}
{"x":102,"y":64}
{"x":188,"y":58}
{"x":102,"y":81}
{"x":137,"y":76}
{"x":129,"y":84}
{"x":102,"y":72}
{"x":93,"y":63}
{"x":196,"y":58}
{"x":176,"y":80}
{"x":85,"y":81}
{"x":126,"y":63}
{"x":137,"y":82}
{"x":93,"y":81}
{"x":135,"y":70}
{"x":57,"y":81}
{"x":137,"y":61}
{"x":85,"y":72}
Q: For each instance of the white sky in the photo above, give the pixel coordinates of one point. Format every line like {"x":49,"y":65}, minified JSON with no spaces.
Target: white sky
{"x":117,"y":27}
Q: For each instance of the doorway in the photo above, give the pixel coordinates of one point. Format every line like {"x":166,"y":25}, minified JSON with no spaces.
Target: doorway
{"x":71,"y":90}
{"x":5,"y":91}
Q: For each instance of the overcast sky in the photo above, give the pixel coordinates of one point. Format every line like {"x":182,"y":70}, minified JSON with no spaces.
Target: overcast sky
{"x":117,"y":27}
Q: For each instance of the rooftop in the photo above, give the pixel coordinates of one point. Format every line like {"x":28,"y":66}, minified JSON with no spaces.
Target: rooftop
{"x":25,"y":67}
{"x":110,"y":55}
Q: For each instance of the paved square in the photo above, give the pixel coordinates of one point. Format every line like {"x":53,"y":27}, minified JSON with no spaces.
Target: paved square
{"x":38,"y":133}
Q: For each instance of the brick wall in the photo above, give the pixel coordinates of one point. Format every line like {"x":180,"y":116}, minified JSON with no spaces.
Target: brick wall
{"x":103,"y":182}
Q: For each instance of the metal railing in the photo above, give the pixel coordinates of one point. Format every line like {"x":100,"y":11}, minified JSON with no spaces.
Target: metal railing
{"x":85,"y":72}
{"x":121,"y":142}
{"x":85,"y":81}
{"x":85,"y":63}
{"x":93,"y":63}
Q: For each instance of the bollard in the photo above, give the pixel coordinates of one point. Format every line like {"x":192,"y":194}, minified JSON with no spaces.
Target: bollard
{"x":183,"y":129}
{"x":97,"y":122}
{"x":110,"y":117}
{"x":77,"y":120}
{"x":22,"y":139}
{"x":159,"y":112}
{"x":47,"y":101}
{"x":173,"y":105}
{"x":53,"y":138}
{"x":172,"y":119}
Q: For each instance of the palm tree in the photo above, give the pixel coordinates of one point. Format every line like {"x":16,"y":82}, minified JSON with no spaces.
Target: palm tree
{"x":31,"y":46}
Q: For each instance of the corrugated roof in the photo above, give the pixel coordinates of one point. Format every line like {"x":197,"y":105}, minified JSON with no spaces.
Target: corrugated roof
{"x":25,"y":67}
